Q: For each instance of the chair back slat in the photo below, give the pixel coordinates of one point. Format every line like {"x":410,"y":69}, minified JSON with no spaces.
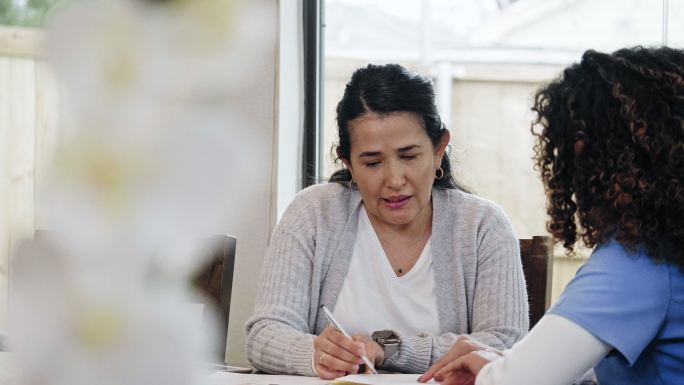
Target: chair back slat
{"x":216,"y":282}
{"x":537,"y":261}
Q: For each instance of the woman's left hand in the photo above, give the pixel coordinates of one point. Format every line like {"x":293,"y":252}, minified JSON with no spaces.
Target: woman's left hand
{"x":461,"y":363}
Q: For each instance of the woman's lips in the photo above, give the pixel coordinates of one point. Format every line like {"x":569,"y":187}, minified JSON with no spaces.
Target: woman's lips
{"x":398,"y":202}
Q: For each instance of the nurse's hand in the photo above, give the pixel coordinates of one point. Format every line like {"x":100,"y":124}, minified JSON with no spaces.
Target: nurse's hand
{"x":336,"y":355}
{"x":461,"y":363}
{"x":464,"y":370}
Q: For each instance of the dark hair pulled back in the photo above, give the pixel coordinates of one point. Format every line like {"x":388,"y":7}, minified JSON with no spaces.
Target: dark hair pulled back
{"x":384,"y":89}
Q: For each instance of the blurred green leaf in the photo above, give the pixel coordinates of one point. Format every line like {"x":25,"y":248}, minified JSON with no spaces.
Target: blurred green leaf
{"x":34,"y":14}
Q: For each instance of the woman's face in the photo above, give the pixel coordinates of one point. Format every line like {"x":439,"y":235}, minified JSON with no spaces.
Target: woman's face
{"x":393,"y":163}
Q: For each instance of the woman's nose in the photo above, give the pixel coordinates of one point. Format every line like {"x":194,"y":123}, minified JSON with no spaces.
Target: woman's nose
{"x":395,"y":176}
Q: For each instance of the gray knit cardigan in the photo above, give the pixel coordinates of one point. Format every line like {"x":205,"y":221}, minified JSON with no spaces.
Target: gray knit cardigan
{"x":479,"y":282}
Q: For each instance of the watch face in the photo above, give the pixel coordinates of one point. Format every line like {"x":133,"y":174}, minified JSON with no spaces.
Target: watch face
{"x":384,"y":334}
{"x":390,"y":340}
{"x":384,"y":337}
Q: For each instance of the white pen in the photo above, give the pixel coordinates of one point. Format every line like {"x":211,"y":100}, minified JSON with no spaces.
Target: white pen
{"x":337,"y":326}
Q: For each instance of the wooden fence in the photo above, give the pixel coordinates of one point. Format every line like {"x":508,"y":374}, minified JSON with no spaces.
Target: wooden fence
{"x":29,"y":114}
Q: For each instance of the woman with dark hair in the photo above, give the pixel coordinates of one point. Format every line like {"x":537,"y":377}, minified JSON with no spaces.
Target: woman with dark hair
{"x":610,"y":151}
{"x":406,"y":260}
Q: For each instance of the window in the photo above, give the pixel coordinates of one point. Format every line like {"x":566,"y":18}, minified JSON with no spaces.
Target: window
{"x":487,"y":58}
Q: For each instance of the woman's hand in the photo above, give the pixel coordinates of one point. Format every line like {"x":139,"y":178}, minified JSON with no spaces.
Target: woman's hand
{"x":336,"y":355}
{"x":461,"y":363}
{"x":375,"y":353}
{"x":464,"y":370}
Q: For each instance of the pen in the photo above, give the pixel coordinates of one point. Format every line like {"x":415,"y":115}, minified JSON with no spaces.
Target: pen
{"x":337,"y":326}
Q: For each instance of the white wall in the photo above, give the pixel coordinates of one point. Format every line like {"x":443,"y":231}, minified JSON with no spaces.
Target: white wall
{"x":258,"y":208}
{"x":290,"y":103}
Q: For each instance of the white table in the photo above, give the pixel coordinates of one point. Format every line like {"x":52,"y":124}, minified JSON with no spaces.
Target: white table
{"x":9,"y":376}
{"x":224,"y":378}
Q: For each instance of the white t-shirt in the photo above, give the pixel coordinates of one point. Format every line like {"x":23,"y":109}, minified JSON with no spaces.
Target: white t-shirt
{"x":374,"y":298}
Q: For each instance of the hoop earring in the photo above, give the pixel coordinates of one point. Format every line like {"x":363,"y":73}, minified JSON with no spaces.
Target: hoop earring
{"x":439,"y":174}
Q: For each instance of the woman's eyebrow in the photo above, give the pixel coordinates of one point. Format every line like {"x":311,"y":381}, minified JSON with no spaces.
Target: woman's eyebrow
{"x":369,"y":154}
{"x":408,"y":148}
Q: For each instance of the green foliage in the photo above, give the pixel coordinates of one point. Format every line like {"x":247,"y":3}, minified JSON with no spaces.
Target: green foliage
{"x":34,"y":14}
{"x":7,"y":12}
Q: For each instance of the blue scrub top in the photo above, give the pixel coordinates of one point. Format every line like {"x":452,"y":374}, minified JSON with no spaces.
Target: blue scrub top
{"x":634,"y":305}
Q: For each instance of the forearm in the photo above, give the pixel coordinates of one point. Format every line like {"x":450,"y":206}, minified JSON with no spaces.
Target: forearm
{"x":279,"y":333}
{"x":417,"y":353}
{"x":556,"y":352}
{"x":497,"y":340}
{"x":274,"y":347}
{"x":500,"y":314}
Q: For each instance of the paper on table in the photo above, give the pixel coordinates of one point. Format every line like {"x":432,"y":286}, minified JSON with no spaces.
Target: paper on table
{"x":225,"y":368}
{"x":378,"y":379}
{"x":225,"y":378}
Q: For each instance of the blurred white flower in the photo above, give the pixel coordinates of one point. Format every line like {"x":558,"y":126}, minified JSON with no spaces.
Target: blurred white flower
{"x":156,"y":94}
{"x":158,"y":139}
{"x":78,"y":324}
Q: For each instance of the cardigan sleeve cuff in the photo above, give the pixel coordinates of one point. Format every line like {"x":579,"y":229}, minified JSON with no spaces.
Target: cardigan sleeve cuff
{"x":489,"y":339}
{"x":301,"y":356}
{"x":313,"y":363}
{"x":413,"y":355}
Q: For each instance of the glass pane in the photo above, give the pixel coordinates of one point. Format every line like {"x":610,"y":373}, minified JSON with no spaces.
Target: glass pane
{"x":487,"y":58}
{"x":675,"y":28}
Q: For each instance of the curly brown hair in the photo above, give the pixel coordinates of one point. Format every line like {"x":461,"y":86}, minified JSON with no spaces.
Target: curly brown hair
{"x":610,"y":151}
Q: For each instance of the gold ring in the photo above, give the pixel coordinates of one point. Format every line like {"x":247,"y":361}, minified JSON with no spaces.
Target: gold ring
{"x":320,"y":359}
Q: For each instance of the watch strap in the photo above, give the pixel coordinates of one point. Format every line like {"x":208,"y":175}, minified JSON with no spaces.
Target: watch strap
{"x":389,"y":341}
{"x":390,"y":349}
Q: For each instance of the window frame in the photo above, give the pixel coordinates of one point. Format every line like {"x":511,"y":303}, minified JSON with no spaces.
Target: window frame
{"x":312,"y":141}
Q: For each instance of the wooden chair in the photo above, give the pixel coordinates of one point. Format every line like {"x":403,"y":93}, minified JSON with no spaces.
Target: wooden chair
{"x":537,"y":261}
{"x":215,"y":280}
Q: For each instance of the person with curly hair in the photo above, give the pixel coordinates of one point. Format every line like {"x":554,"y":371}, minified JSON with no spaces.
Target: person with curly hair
{"x":610,"y":152}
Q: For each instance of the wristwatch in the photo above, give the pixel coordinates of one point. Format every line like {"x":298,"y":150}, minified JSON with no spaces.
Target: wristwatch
{"x":388,"y":340}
